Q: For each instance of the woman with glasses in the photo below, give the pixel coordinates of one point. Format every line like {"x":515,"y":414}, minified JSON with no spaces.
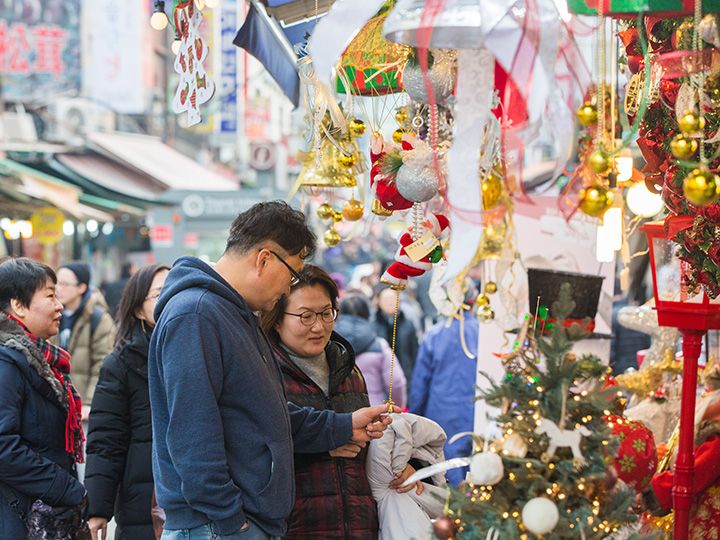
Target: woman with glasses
{"x":332,"y":495}
{"x":119,"y":475}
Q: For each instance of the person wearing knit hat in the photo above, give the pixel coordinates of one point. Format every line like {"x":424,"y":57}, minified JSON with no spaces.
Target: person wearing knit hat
{"x":87,"y":330}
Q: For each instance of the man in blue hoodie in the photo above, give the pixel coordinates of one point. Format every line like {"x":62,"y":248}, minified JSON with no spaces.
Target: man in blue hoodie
{"x":223,"y":431}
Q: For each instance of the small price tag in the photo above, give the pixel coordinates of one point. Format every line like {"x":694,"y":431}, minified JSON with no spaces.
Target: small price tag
{"x":422,"y":247}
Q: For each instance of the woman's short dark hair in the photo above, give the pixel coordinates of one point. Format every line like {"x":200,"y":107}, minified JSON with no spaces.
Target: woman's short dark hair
{"x":310,"y":275}
{"x":355,"y":304}
{"x":273,"y":221}
{"x":132,"y":299}
{"x":21,"y":278}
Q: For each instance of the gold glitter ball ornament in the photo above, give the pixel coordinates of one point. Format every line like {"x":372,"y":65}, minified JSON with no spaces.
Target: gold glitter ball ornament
{"x":490,"y":287}
{"x":599,"y":162}
{"x":345,"y":160}
{"x":353,"y":210}
{"x":331,"y":238}
{"x":701,"y":187}
{"x":398,"y":135}
{"x":401,"y":115}
{"x":691,"y":123}
{"x":325,"y":211}
{"x":356,"y":127}
{"x":595,"y":200}
{"x":337,"y":217}
{"x":683,"y":147}
{"x":587,"y":114}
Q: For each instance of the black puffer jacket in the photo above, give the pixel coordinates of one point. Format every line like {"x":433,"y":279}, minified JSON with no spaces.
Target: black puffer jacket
{"x":119,"y":476}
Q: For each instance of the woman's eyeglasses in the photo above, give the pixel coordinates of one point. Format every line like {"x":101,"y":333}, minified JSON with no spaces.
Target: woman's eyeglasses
{"x":308,"y":318}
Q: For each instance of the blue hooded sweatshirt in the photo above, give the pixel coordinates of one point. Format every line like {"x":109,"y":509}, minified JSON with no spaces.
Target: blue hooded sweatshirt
{"x":223,"y":431}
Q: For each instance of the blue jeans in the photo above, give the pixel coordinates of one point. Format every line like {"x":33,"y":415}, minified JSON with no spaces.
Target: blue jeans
{"x":207,"y":532}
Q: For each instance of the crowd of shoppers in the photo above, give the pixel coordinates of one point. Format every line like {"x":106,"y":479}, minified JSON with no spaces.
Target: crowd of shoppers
{"x":242,"y":395}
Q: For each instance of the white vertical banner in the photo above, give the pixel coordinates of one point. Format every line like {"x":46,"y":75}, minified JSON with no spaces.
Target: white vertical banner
{"x":113,"y":57}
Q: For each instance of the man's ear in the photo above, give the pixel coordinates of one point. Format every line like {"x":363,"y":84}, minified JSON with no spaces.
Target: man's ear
{"x":83,"y":288}
{"x":261,"y":260}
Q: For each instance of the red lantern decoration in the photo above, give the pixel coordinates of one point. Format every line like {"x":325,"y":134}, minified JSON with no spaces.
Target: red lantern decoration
{"x":693,"y":314}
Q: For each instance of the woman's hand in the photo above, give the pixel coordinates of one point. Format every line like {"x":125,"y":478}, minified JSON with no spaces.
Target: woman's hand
{"x":348,"y":450}
{"x":97,"y":524}
{"x":401,"y":477}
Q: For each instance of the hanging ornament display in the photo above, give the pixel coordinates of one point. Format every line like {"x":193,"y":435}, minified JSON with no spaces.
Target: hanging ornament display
{"x":701,"y":187}
{"x":325,"y":211}
{"x":540,"y":515}
{"x":587,"y":114}
{"x":353,"y":210}
{"x":356,"y":127}
{"x":331,"y":237}
{"x":683,"y":147}
{"x":416,"y":178}
{"x":491,"y":188}
{"x":441,"y":74}
{"x":691,"y":123}
{"x":595,"y":200}
{"x":194,"y":87}
{"x":486,"y":469}
{"x":599,"y":162}
{"x":412,"y":258}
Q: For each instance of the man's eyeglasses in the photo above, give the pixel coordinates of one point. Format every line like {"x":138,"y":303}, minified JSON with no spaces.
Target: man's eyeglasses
{"x":294,"y":276}
{"x":308,"y":318}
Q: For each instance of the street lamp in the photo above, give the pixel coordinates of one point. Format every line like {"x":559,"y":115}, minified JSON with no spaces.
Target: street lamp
{"x":693,"y":314}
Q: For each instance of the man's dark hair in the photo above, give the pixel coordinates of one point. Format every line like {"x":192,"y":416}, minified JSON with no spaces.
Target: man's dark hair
{"x":273,"y":221}
{"x":355,"y":304}
{"x":20,"y":278}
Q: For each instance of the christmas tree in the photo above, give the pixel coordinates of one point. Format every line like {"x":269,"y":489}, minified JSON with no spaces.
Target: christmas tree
{"x":551,"y":474}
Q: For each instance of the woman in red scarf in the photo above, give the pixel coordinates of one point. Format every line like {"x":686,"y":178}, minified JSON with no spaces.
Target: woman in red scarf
{"x":41,"y":436}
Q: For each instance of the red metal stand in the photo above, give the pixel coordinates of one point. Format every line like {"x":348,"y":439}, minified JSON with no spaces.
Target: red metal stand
{"x":685,"y":463}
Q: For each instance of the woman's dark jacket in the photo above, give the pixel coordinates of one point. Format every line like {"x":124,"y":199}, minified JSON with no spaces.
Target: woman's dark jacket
{"x":119,"y":476}
{"x":33,"y":460}
{"x":333,"y":498}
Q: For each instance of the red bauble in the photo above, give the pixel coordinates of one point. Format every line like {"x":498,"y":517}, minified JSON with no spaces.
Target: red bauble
{"x":669,"y":92}
{"x":444,"y":528}
{"x":636,"y":64}
{"x":636,"y":459}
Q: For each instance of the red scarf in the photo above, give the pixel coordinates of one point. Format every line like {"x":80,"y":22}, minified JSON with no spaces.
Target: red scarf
{"x":59,"y":361}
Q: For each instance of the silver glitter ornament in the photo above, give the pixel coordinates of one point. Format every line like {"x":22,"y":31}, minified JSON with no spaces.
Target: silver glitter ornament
{"x":416,"y":185}
{"x":441,"y":75}
{"x":644,"y":319}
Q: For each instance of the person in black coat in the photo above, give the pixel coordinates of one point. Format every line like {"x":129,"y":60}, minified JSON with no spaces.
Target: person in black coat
{"x":406,"y":338}
{"x":40,"y":430}
{"x":119,"y":476}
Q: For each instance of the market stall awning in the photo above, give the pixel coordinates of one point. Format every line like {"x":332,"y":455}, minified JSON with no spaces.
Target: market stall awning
{"x":151,"y":157}
{"x":113,"y":176}
{"x":43,"y":187}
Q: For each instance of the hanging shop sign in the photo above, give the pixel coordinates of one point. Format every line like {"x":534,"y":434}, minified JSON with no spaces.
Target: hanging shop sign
{"x":47,"y":225}
{"x":39,"y":48}
{"x":227,"y":106}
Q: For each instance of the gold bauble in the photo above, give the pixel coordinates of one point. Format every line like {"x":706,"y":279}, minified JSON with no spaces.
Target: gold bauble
{"x":337,"y":217}
{"x":356,"y":127}
{"x":595,"y":200}
{"x":325,"y":211}
{"x":683,"y":147}
{"x":349,"y":181}
{"x":691,"y":123}
{"x":353,"y":210}
{"x":345,"y":160}
{"x":490,"y":287}
{"x":491,"y":191}
{"x":398,"y":135}
{"x":482,"y":301}
{"x":599,"y":162}
{"x":401,"y":115}
{"x":331,"y":238}
{"x":587,"y":114}
{"x":702,"y":187}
